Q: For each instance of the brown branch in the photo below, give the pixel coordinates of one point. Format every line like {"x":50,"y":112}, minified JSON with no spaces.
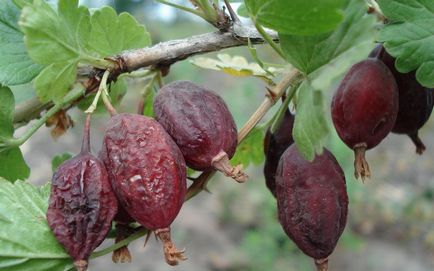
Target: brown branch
{"x":162,"y":54}
{"x":169,"y":52}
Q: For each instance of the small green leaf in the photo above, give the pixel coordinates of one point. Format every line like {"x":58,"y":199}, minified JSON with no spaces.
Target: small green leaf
{"x":7,"y":104}
{"x":12,"y":165}
{"x":112,"y":34}
{"x":308,"y":53}
{"x":15,"y":65}
{"x":410,"y":37}
{"x":310,"y":126}
{"x":250,"y":150}
{"x":53,"y":36}
{"x":55,"y":80}
{"x":27,"y":241}
{"x":59,"y":159}
{"x":297,"y":17}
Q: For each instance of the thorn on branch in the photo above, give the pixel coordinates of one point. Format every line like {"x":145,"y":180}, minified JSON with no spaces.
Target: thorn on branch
{"x":232,"y":13}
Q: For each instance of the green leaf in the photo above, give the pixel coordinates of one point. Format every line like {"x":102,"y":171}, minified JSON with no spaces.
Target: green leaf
{"x":7,"y":104}
{"x":12,"y":164}
{"x":242,"y":11}
{"x":250,"y":150}
{"x":55,"y":80}
{"x":310,"y":126}
{"x":112,"y":34}
{"x":22,"y":3}
{"x":297,"y":17}
{"x":53,"y":36}
{"x":410,"y":36}
{"x":59,"y":159}
{"x":27,"y":241}
{"x":308,"y":53}
{"x":15,"y":65}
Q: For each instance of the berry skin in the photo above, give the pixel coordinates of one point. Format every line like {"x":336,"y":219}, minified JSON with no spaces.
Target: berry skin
{"x":148,"y":174}
{"x":82,"y":204}
{"x":312,"y":202}
{"x":364,"y":109}
{"x":274,"y":146}
{"x":415,"y":101}
{"x":201,"y":125}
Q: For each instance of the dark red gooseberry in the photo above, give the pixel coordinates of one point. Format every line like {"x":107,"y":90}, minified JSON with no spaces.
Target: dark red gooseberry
{"x":364,"y":109}
{"x":312,"y":202}
{"x":275,"y":145}
{"x":415,"y":101}
{"x":201,"y":125}
{"x":148,"y":174}
{"x":122,"y":221}
{"x":82,"y":204}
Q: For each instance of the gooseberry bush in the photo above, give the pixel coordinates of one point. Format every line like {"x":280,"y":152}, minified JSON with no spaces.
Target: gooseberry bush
{"x":70,"y":56}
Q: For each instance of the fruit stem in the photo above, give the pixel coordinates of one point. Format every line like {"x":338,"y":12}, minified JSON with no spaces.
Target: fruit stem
{"x":420,"y":147}
{"x":281,"y":112}
{"x":85,"y":145}
{"x":81,"y":265}
{"x":104,"y":93}
{"x":171,"y":253}
{"x":221,"y":163}
{"x":146,"y":93}
{"x":321,"y":264}
{"x":361,"y":167}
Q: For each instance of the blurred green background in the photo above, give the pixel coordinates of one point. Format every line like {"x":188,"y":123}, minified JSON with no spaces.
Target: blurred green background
{"x":391,"y":220}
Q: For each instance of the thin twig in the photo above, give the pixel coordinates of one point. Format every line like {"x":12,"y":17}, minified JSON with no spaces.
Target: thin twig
{"x":169,"y":52}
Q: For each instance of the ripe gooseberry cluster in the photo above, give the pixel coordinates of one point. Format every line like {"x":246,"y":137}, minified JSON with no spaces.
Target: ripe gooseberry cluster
{"x":140,"y":173}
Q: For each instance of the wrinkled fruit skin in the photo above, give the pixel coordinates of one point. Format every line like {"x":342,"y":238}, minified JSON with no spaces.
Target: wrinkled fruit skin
{"x":82,"y":205}
{"x":312,"y":201}
{"x":198,"y":120}
{"x":146,"y":169}
{"x":274,"y":146}
{"x":415,"y":101}
{"x":365,"y":105}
